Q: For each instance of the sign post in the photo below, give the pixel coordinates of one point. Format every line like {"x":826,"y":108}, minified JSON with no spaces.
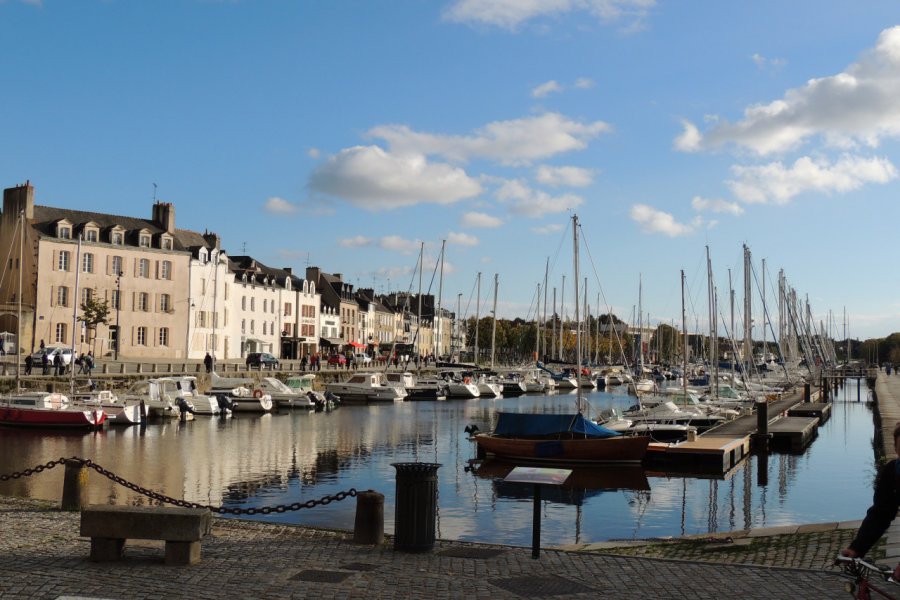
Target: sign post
{"x":537,"y":476}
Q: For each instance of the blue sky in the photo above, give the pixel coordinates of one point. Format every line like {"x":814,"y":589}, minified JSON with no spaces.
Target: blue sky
{"x":344,"y":134}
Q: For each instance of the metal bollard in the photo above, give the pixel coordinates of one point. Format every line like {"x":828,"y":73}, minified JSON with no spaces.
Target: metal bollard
{"x":369,"y":525}
{"x":761,"y":438}
{"x":807,"y":393}
{"x":75,"y":489}
{"x":416,"y":506}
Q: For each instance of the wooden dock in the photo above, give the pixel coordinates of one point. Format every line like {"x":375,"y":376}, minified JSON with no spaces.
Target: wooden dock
{"x":718,"y":450}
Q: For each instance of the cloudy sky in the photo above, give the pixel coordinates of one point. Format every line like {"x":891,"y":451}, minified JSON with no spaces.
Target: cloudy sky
{"x":346,"y":134}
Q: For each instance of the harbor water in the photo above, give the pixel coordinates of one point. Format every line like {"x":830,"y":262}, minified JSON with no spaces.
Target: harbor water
{"x":268,"y":460}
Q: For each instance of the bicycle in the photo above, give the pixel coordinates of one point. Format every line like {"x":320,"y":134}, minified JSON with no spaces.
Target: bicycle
{"x":860,"y":572}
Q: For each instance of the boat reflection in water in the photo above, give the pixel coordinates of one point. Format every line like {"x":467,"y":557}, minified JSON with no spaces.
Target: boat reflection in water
{"x":584,"y":482}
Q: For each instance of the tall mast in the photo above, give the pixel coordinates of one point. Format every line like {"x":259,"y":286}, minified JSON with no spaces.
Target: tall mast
{"x":562,"y":311}
{"x":748,"y":323}
{"x":494,"y":324}
{"x":684,"y":377}
{"x":544,"y":320}
{"x":419,"y":326}
{"x":477,"y":312}
{"x":440,"y":320}
{"x":537,"y":329}
{"x":577,"y":327}
{"x":74,"y":316}
{"x":19,"y":294}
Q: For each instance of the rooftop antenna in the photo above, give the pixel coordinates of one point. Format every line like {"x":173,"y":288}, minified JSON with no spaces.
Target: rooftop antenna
{"x":154,"y":193}
{"x":307,"y":258}
{"x":244,"y":248}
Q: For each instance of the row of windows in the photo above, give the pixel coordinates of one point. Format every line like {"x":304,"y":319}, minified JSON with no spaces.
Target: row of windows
{"x":141,"y":266}
{"x":141,"y":338}
{"x":117,"y":238}
{"x":268,"y":328}
{"x":267,"y":305}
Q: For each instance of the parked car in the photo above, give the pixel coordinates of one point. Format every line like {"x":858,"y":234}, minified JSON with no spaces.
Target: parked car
{"x":361,"y":358}
{"x":51,"y":352}
{"x":261,"y":360}
{"x":337,"y":360}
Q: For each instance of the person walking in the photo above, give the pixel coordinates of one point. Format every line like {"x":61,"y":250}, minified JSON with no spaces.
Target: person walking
{"x":58,"y":364}
{"x":883,"y":510}
{"x":208,"y":362}
{"x":45,"y":362}
{"x":29,"y":363}
{"x":87,"y":363}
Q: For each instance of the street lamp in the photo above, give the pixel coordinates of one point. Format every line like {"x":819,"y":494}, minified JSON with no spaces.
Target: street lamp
{"x":118,"y":309}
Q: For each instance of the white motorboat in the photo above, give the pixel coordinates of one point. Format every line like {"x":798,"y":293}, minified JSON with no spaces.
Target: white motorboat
{"x":284,"y":396}
{"x":459,"y":386}
{"x":160,"y":397}
{"x":45,"y":409}
{"x":303,"y":384}
{"x":241,"y":393}
{"x":203,"y":404}
{"x":488,"y":388}
{"x":366,"y":388}
{"x":117,"y":411}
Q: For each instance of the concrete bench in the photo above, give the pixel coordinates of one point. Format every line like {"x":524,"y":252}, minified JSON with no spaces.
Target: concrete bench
{"x":181,"y":529}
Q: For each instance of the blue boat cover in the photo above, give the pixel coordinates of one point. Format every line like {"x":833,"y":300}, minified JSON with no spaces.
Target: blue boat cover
{"x":512,"y":424}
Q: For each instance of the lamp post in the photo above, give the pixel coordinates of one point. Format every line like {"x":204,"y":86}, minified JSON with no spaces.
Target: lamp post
{"x":118,"y":309}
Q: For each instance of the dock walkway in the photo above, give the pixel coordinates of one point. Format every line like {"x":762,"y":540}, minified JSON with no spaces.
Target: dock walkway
{"x":43,"y":557}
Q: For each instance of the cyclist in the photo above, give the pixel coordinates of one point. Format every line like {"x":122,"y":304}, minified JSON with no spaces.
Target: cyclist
{"x":883,"y":510}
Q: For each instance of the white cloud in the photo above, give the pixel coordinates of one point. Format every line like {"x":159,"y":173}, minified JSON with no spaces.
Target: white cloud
{"x":546,"y":88}
{"x":564,"y":176}
{"x":395,"y":242}
{"x":509,"y":14}
{"x":313,"y":153}
{"x":462,"y":239}
{"x":774,"y":182}
{"x":513,"y":142}
{"x":526,"y":201}
{"x":762,"y":62}
{"x":855,"y":107}
{"x":545,"y":229}
{"x":371,"y":178}
{"x":279,"y":206}
{"x":477,"y":219}
{"x":355,"y":242}
{"x":657,"y":221}
{"x":690,"y":138}
{"x":717,"y":206}
{"x":584,"y":83}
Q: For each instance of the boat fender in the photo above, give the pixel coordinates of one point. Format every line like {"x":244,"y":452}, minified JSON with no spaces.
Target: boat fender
{"x":257,"y":394}
{"x":467,"y":381}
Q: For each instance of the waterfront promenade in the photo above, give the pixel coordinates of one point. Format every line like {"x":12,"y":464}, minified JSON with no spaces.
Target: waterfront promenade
{"x":43,"y":556}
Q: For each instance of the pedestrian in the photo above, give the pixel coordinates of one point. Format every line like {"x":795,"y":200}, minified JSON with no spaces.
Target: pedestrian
{"x":58,"y":364}
{"x":208,"y":362}
{"x":87,"y":363}
{"x":883,"y":509}
{"x":43,"y":347}
{"x":29,"y":363}
{"x":45,"y":362}
{"x":303,"y":363}
{"x":349,"y":361}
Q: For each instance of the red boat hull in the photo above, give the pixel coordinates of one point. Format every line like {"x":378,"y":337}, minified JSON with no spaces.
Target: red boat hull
{"x":619,"y":449}
{"x":28,"y":417}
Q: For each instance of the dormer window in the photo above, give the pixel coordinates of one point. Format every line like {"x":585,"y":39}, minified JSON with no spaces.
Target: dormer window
{"x":144,"y":241}
{"x":64,"y":233}
{"x":165,"y":243}
{"x":90,"y":235}
{"x":117,"y":238}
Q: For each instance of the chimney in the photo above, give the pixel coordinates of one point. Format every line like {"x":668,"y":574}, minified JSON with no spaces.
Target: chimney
{"x":210,"y":238}
{"x":164,"y":216}
{"x":19,"y":198}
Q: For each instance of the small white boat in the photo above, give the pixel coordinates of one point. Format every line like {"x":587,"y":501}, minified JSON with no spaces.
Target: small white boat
{"x":240,"y":392}
{"x":203,"y":404}
{"x":160,"y":397}
{"x":459,"y":386}
{"x":283,"y":396}
{"x":366,"y":388}
{"x":303,"y":384}
{"x":118,"y":412}
{"x":44,"y":409}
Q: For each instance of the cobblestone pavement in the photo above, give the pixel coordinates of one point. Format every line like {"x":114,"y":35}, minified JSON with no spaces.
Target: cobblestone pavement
{"x":42,"y":556}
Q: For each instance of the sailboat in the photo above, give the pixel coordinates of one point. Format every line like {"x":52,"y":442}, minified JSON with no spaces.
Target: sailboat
{"x":41,"y":409}
{"x":561,"y":438}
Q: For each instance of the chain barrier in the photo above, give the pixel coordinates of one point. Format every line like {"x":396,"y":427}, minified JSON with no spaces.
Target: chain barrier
{"x":222,"y":510}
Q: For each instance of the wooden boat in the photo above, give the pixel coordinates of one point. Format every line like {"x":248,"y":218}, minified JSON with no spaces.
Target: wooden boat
{"x":567,"y":439}
{"x":43,"y":409}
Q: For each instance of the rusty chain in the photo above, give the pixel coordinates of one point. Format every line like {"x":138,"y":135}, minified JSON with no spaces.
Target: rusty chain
{"x":222,"y":510}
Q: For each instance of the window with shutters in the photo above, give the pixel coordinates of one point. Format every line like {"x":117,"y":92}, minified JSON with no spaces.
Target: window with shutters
{"x":116,"y":299}
{"x":143,"y":301}
{"x":166,"y":269}
{"x":141,"y":336}
{"x":87,"y":263}
{"x":165,"y":302}
{"x":63,"y":264}
{"x":87,"y":294}
{"x":117,"y":264}
{"x":163,"y":336}
{"x":62,"y":296}
{"x":144,"y":268}
{"x":60,"y":333}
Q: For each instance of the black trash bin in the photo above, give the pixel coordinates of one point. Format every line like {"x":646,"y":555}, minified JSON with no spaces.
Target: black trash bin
{"x":416,"y":506}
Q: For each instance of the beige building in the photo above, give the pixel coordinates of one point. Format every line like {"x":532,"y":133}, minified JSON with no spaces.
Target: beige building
{"x":140,"y":267}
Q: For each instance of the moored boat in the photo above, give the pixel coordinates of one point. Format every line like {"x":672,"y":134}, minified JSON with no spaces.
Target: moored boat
{"x":563,"y":439}
{"x":44,"y":409}
{"x":117,"y":411}
{"x":366,"y":388}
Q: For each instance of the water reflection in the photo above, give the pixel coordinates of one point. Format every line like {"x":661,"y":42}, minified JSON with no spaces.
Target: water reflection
{"x":285,"y":458}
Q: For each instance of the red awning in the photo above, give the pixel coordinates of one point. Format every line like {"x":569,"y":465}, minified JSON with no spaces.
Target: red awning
{"x":357,"y":345}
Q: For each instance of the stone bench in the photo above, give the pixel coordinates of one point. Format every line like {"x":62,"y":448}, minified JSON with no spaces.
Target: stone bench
{"x":181,"y":529}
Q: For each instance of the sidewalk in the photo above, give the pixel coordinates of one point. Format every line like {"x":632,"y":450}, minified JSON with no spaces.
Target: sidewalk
{"x":887,"y":392}
{"x":42,"y":556}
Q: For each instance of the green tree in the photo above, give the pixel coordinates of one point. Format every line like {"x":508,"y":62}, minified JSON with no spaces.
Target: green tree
{"x":94,"y":311}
